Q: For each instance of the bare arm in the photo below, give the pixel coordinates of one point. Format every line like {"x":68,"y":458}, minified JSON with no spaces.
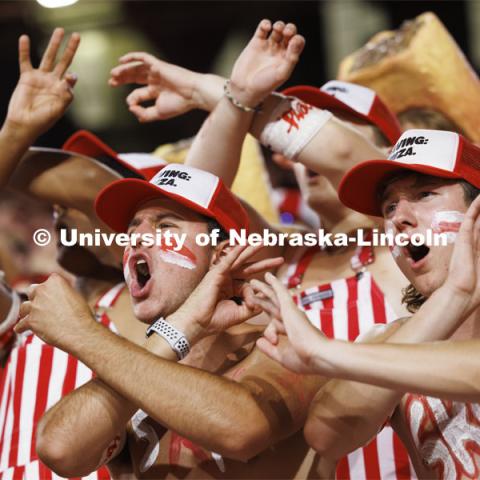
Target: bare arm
{"x":345,"y":415}
{"x":448,"y":370}
{"x":40,"y":99}
{"x":83,"y":430}
{"x":333,"y":150}
{"x":266,"y":62}
{"x":99,"y":412}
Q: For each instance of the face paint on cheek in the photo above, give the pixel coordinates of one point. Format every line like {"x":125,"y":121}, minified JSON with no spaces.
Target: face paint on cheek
{"x":395,"y":250}
{"x":447,"y":222}
{"x":183,"y":257}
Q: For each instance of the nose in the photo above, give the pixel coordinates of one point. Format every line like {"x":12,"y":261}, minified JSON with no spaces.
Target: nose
{"x":144,"y":227}
{"x":404,"y":216}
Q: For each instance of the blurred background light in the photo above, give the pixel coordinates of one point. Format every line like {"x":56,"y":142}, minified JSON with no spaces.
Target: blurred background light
{"x":56,"y":3}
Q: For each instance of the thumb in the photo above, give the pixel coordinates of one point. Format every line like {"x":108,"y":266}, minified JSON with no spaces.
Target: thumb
{"x":22,"y":325}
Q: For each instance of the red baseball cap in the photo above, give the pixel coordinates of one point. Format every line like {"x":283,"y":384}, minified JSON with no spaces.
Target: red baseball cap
{"x":197,"y":189}
{"x":362,"y":102}
{"x":431,"y":152}
{"x":141,"y":165}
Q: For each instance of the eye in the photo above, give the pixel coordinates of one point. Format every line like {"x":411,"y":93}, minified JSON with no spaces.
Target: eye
{"x":426,"y":194}
{"x":165,"y":225}
{"x":389,"y":209}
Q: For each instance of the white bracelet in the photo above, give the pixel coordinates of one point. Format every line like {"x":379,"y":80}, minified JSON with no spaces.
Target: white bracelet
{"x":291,"y":126}
{"x":171,"y":335}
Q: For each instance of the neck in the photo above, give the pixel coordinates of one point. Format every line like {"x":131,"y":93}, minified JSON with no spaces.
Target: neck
{"x":91,"y":288}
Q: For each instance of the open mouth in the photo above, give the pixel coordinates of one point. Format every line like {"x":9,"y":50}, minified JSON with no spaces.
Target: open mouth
{"x":143,"y":272}
{"x":139,"y":276}
{"x":417,"y":252}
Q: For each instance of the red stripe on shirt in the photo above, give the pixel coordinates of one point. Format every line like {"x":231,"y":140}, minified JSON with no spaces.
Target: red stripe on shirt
{"x":17,"y":401}
{"x":44,"y":373}
{"x":353,"y":327}
{"x":402,"y":464}
{"x":370,"y":458}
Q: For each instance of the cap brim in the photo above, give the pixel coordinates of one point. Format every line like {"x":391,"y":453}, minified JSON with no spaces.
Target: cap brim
{"x":316,"y":97}
{"x":359,"y":188}
{"x":52,"y":175}
{"x":118,"y":202}
{"x":388,"y":125}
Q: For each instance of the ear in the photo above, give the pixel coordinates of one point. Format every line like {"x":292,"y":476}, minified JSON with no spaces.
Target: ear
{"x":219,"y":251}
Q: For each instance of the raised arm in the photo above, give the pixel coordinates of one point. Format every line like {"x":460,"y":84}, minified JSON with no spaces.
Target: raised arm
{"x":331,"y":148}
{"x":39,"y":100}
{"x":265,"y":63}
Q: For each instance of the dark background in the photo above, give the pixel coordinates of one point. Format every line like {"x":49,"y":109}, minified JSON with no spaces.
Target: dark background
{"x":190,"y":34}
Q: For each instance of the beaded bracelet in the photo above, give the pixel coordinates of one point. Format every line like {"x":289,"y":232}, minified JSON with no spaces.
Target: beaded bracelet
{"x":236,"y":103}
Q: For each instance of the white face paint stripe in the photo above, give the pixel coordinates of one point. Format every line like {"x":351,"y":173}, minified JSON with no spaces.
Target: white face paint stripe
{"x":447,"y":222}
{"x":175,"y":258}
{"x":389,"y":230}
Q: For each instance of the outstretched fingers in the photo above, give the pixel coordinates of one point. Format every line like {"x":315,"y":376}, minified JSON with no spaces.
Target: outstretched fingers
{"x":261,"y":266}
{"x":24,"y":54}
{"x":277,"y":32}
{"x":48,"y":59}
{"x":284,"y":298}
{"x":131,"y":72}
{"x":295,"y":48}
{"x":263,"y":29}
{"x":68,"y":54}
{"x":137,"y":57}
{"x":288,"y":32}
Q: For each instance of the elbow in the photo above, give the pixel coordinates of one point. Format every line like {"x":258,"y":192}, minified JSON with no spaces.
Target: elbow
{"x":346,"y":155}
{"x":323,"y":440}
{"x":247,"y":442}
{"x":55,"y":454}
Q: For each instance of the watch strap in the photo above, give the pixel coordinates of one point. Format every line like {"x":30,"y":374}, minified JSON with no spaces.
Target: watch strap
{"x":175,"y":338}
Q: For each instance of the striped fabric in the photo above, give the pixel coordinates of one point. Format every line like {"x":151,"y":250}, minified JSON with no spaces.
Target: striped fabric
{"x":344,"y":309}
{"x":35,"y":377}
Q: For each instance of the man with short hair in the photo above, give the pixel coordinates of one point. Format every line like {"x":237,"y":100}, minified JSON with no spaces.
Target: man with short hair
{"x":203,"y":421}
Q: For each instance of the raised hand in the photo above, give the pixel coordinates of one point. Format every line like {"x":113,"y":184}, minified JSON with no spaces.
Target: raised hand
{"x":266,"y":62}
{"x":224,"y":298}
{"x":56,"y":313}
{"x":464,"y":270}
{"x":172,"y":88}
{"x":42,"y":94}
{"x":304,"y":340}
